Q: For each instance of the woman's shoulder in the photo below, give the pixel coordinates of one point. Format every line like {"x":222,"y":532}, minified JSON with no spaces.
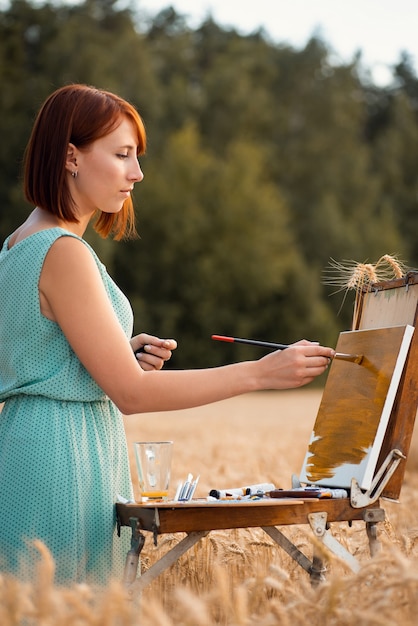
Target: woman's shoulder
{"x":69,"y":248}
{"x":23,"y":237}
{"x":23,"y":244}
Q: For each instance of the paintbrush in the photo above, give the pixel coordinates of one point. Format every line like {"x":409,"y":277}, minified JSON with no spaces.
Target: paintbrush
{"x":354,"y":358}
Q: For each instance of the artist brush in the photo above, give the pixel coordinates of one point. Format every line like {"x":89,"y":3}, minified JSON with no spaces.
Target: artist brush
{"x":354,"y":358}
{"x":251,"y":342}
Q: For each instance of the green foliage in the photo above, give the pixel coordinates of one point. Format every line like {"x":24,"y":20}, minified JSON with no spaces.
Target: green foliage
{"x":263,"y":163}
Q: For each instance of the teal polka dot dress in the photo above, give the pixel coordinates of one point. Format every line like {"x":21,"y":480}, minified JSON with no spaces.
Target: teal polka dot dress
{"x":63,"y":456}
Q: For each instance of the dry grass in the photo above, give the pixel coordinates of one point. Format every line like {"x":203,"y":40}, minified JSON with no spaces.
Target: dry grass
{"x":240,"y":577}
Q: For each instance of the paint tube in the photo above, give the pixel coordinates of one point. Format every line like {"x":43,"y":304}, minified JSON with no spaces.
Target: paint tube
{"x":250,"y":490}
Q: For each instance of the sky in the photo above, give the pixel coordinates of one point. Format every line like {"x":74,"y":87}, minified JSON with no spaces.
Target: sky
{"x":381,"y":29}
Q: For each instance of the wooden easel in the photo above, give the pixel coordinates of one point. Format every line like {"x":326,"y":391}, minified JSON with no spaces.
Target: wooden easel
{"x":393,"y":303}
{"x":385,"y":304}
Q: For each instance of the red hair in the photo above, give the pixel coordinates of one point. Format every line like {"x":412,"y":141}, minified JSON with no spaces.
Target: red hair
{"x":76,"y":114}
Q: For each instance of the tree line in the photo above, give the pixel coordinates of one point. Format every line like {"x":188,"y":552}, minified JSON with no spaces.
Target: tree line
{"x":263,"y":163}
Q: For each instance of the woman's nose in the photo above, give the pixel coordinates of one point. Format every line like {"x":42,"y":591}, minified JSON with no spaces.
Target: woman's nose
{"x":137,"y":174}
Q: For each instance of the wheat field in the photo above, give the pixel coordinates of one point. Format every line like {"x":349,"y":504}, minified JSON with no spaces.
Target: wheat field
{"x":241,"y":577}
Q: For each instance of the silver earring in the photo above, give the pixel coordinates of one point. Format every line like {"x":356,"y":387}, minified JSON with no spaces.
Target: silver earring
{"x":74,"y":174}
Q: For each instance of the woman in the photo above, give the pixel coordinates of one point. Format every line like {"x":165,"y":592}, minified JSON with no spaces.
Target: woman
{"x":68,"y":367}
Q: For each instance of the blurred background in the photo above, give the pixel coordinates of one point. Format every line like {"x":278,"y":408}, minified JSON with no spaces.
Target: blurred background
{"x":272,"y":150}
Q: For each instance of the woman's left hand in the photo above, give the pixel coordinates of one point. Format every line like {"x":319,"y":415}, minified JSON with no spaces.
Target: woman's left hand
{"x":153,"y":351}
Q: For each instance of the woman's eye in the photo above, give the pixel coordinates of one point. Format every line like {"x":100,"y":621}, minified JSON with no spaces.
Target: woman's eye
{"x":122,"y":156}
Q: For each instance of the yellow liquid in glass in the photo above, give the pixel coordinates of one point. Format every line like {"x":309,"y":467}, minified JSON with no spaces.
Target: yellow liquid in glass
{"x":154,"y":495}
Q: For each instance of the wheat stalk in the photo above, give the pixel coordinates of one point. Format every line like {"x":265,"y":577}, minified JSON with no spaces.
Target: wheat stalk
{"x":358,"y":277}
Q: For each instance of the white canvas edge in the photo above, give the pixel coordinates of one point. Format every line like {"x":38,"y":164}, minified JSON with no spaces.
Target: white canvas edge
{"x":387,"y":408}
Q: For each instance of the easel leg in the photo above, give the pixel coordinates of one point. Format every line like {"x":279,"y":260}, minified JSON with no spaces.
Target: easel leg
{"x":315,"y":568}
{"x":319,"y":526}
{"x":288,"y":547}
{"x":374,"y":543}
{"x":318,"y":522}
{"x":132,"y":558}
{"x":318,"y":568}
{"x":372,"y":517}
{"x":166,"y":561}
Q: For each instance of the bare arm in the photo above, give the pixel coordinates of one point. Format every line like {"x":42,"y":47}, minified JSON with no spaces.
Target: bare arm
{"x":73,"y":294}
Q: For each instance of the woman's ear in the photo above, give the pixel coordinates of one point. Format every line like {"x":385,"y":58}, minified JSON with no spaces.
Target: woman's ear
{"x":71,"y":161}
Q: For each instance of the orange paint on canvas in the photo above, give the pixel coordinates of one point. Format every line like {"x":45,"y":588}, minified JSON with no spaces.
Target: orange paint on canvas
{"x":353,"y":399}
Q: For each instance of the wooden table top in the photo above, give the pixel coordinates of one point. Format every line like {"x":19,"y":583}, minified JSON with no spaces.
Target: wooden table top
{"x":197,"y":515}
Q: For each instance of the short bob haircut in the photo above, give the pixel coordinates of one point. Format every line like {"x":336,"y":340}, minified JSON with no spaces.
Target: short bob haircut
{"x":77,"y":114}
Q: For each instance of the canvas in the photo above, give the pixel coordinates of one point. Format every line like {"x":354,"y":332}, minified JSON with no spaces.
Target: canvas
{"x":355,"y":408}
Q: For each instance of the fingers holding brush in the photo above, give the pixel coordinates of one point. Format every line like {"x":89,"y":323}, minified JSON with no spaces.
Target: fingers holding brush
{"x":298,"y":365}
{"x":317,"y":356}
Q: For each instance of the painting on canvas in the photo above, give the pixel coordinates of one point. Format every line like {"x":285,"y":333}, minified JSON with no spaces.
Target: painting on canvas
{"x":355,"y":408}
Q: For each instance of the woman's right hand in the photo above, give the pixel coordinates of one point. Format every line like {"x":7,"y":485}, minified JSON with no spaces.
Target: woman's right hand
{"x":297,"y":365}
